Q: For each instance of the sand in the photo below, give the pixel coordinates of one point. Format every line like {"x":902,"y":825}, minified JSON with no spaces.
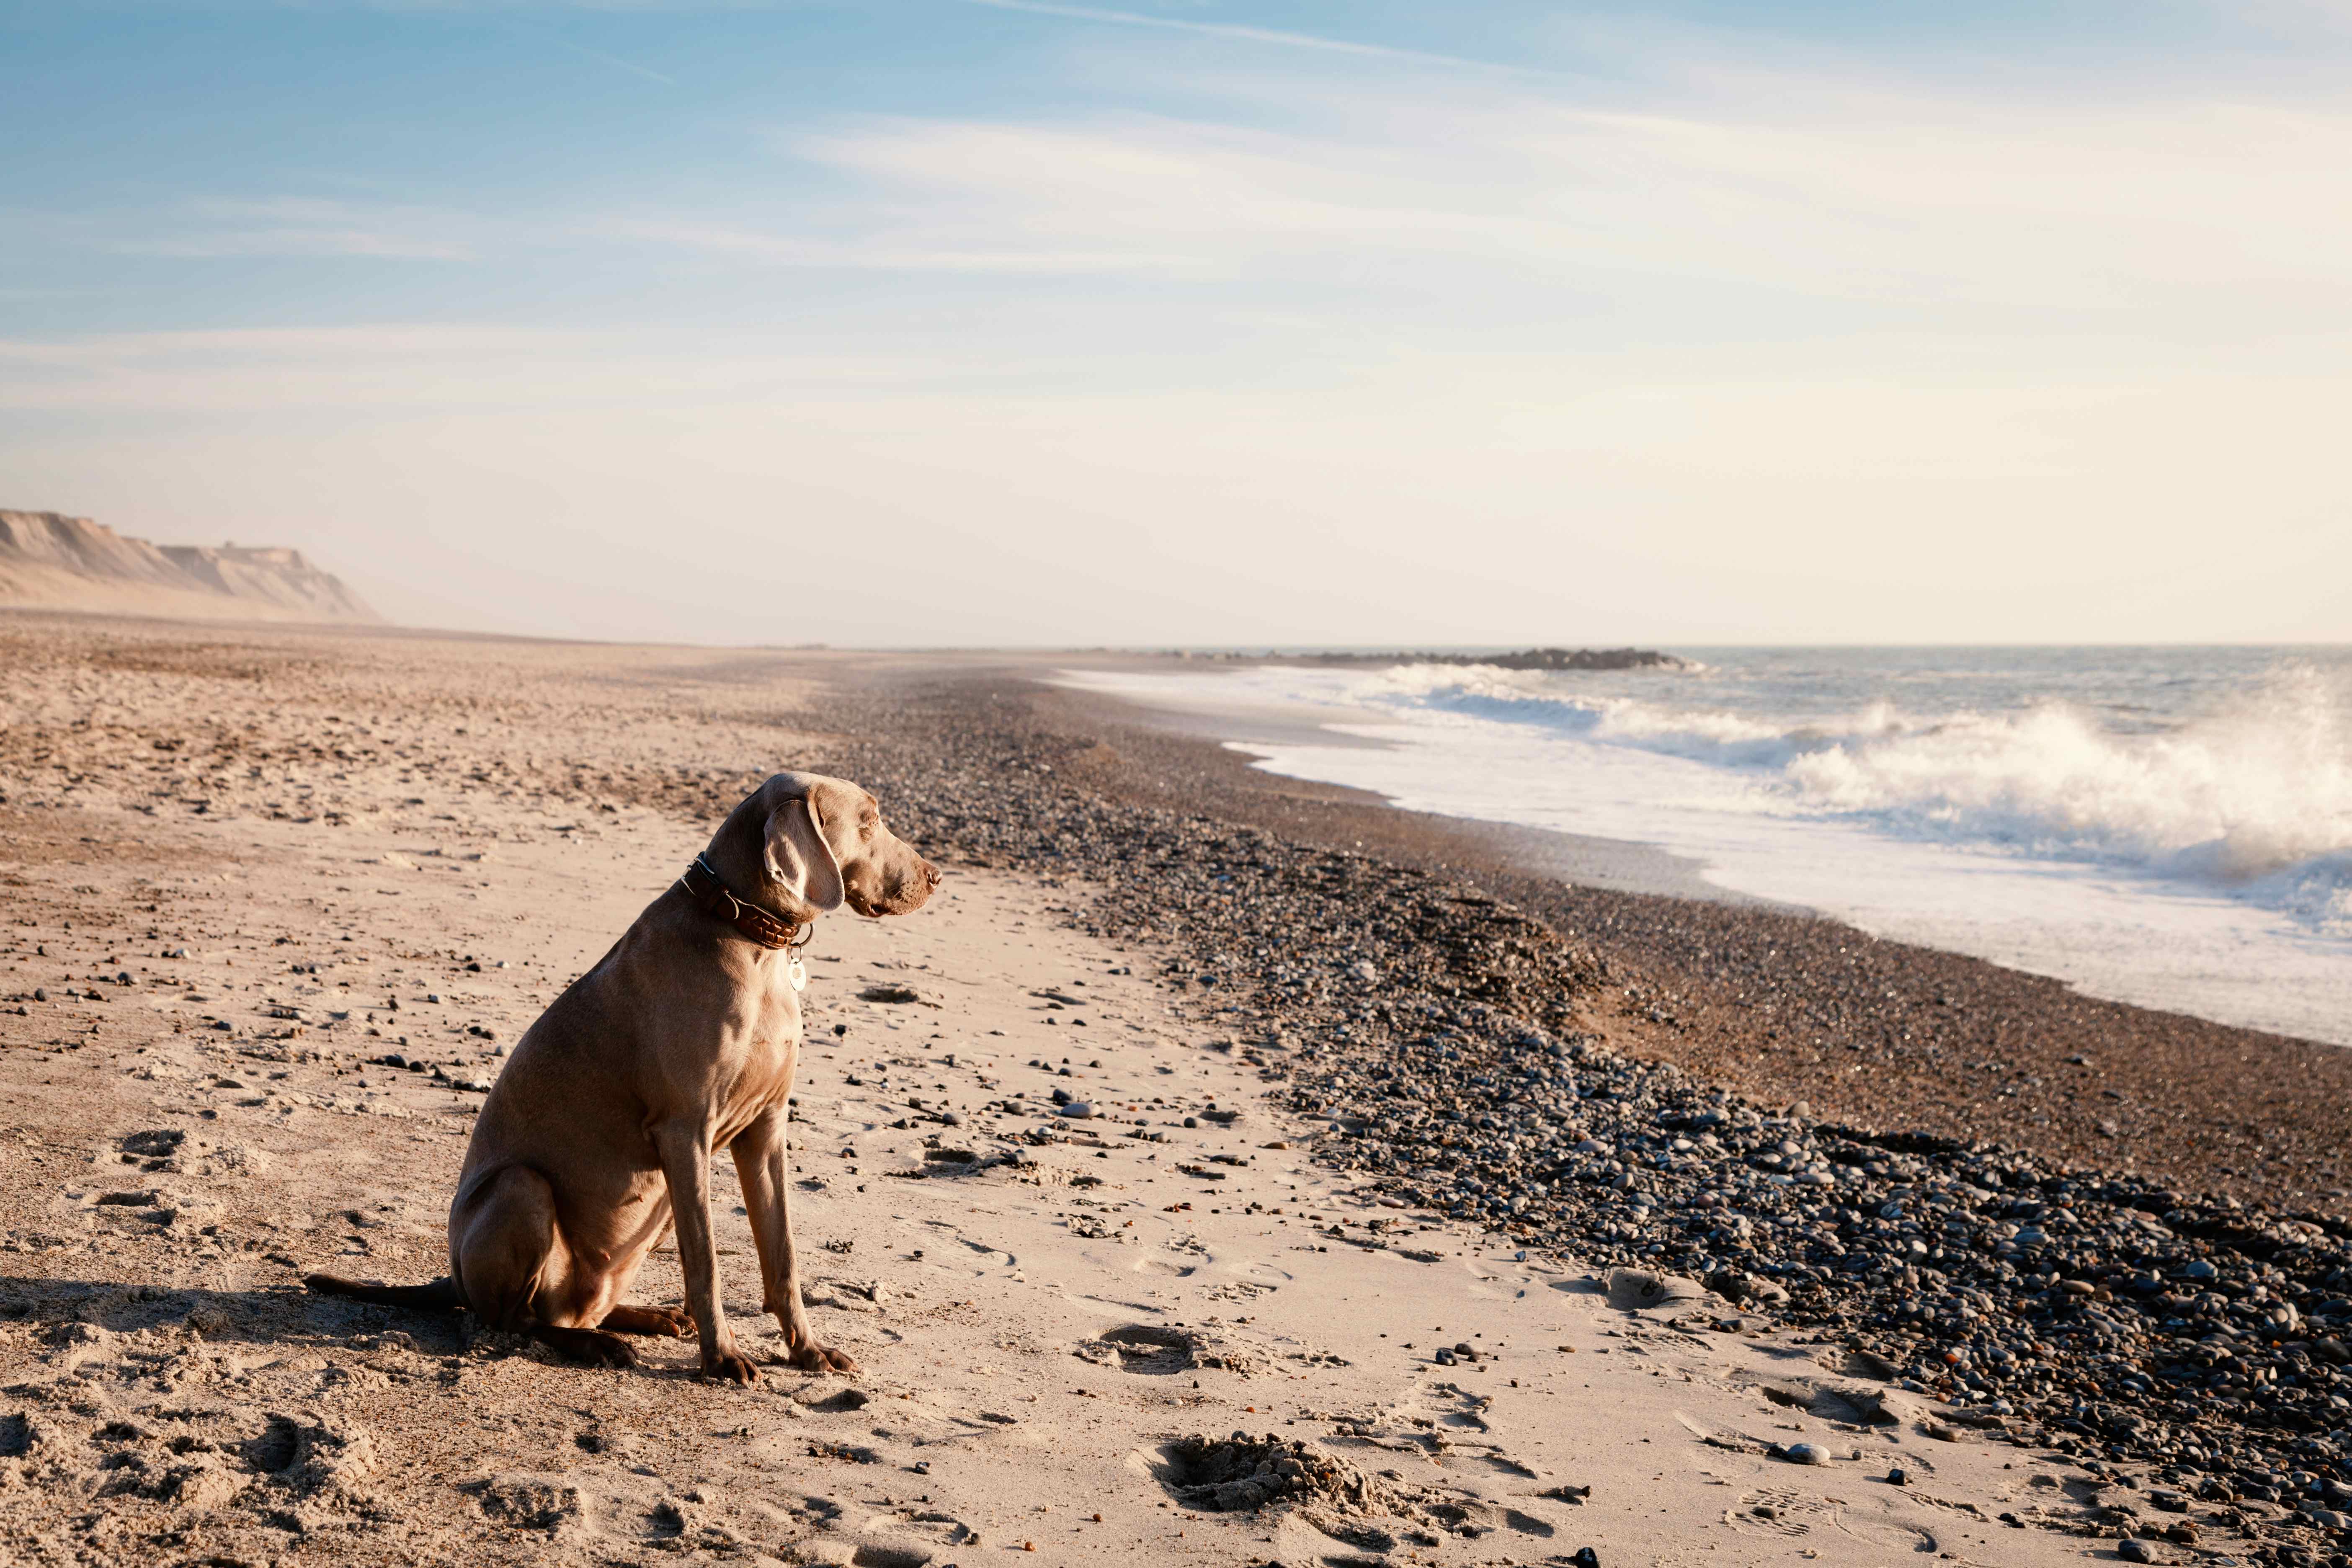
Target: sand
{"x":227,"y":855}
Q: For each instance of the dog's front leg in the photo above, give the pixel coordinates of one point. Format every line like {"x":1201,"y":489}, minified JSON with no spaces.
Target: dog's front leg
{"x":685,"y":1149}
{"x":759,"y":1161}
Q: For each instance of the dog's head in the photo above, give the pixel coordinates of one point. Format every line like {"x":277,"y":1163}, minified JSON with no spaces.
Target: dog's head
{"x":823,"y":845}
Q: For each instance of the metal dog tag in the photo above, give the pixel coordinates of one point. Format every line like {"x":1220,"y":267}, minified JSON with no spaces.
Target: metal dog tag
{"x":795,"y":973}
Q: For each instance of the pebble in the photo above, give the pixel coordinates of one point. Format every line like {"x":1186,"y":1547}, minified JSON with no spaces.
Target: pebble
{"x":1805,"y":1454}
{"x":1460,"y":1082}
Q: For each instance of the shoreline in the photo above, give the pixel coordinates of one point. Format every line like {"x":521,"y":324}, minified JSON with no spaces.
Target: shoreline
{"x":1444,"y":1044}
{"x":2252,"y":953}
{"x":1787,"y":1008}
{"x":1622,"y":865}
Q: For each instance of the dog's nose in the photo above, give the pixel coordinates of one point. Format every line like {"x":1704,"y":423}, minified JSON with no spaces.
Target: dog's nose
{"x":931,"y":874}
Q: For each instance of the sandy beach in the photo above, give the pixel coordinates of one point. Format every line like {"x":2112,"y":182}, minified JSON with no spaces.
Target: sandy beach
{"x":280,"y":901}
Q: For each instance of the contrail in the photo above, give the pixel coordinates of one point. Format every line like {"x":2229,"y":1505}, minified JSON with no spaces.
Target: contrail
{"x":599,"y":57}
{"x":1258,"y":36}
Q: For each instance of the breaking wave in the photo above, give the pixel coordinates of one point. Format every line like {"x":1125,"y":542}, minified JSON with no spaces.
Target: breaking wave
{"x":2255,"y":799}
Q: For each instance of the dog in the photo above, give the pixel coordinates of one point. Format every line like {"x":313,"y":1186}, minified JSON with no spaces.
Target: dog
{"x":596,"y":1141}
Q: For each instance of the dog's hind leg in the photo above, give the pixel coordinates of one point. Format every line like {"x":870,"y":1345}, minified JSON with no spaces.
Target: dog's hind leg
{"x":509,"y":1259}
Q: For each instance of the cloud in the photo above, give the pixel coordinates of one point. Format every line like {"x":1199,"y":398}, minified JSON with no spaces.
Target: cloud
{"x":291,"y":225}
{"x":902,"y":252}
{"x":1832,"y":193}
{"x":1278,"y":37}
{"x":1347,"y":347}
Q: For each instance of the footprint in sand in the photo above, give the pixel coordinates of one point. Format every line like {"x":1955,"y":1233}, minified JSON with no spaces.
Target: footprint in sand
{"x":1167,"y":1268}
{"x":1779,"y":1510}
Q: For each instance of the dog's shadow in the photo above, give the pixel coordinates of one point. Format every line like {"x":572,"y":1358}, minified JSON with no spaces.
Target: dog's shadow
{"x":72,"y":1319}
{"x":281,"y":1315}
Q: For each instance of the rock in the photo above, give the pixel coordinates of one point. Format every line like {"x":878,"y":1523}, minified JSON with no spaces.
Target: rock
{"x":1805,"y":1454}
{"x":1585,"y":1558}
{"x":2130,"y":1548}
{"x":1644,"y":1290}
{"x":1738,"y":1285}
{"x":1077,"y":1108}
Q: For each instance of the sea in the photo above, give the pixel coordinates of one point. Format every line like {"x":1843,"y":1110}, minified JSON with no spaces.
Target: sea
{"x":2168,"y":827}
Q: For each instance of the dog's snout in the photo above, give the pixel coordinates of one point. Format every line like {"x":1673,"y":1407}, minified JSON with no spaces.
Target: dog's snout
{"x":931,"y":874}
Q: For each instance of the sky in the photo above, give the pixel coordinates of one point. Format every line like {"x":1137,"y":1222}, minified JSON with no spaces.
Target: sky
{"x":1204,"y":321}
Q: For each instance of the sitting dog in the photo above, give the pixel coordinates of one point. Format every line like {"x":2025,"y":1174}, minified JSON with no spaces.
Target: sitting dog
{"x":681,"y":1041}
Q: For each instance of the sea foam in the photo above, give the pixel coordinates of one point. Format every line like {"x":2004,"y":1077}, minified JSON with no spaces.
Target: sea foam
{"x":2255,"y":798}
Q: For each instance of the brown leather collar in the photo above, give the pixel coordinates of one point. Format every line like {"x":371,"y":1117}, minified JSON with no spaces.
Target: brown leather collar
{"x":766,"y":927}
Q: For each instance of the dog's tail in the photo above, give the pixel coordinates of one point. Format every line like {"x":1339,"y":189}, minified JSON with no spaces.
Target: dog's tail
{"x":440,"y":1296}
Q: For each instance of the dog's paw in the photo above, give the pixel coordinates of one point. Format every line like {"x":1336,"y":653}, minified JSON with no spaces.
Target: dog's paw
{"x":730,"y":1366}
{"x":610,"y":1350}
{"x":669,"y":1322}
{"x":814,"y":1357}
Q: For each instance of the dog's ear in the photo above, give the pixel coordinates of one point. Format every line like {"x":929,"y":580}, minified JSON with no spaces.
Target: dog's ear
{"x":800,"y":861}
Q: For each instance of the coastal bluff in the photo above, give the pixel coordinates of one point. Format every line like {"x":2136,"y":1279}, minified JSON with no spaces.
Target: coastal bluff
{"x":49,"y":561}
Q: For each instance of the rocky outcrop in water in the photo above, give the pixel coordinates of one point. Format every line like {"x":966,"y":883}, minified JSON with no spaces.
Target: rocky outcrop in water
{"x":1543,"y":658}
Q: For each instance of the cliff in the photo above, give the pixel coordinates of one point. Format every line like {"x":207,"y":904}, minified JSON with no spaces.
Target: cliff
{"x":54,"y":562}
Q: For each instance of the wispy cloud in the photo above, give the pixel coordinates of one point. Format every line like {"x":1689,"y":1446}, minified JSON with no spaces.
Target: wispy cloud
{"x":297,"y":226}
{"x":585,"y":52}
{"x":1243,"y":33}
{"x":896,"y":253}
{"x":1888,"y":193}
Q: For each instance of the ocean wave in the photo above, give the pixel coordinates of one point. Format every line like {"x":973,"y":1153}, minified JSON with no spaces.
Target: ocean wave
{"x":2256,"y":799}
